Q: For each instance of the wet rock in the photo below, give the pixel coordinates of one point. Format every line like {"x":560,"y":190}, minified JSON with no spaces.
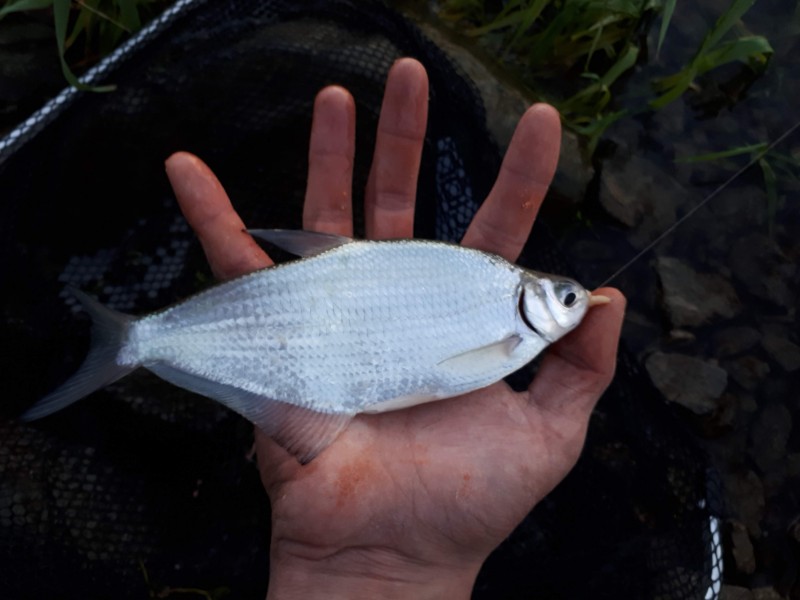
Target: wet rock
{"x":747,"y":402}
{"x":745,"y":495}
{"x":691,"y":382}
{"x":692,"y":298}
{"x":794,"y":530}
{"x":742,"y":548}
{"x":784,"y":386}
{"x":681,"y":336}
{"x":763,"y":269}
{"x":734,"y":340}
{"x":740,"y":208}
{"x":793,"y":466}
{"x":782,"y":351}
{"x":574,"y":171}
{"x":703,"y":173}
{"x":734,"y":592}
{"x":766,"y":593}
{"x":747,"y":371}
{"x":769,"y":435}
{"x":724,"y":418}
{"x":640,"y":194}
{"x":505,"y":103}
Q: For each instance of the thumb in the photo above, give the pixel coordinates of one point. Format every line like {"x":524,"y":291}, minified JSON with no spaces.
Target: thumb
{"x":580,"y":366}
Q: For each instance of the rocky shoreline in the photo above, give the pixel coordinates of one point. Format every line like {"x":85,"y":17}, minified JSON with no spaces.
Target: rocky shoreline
{"x":713,"y":309}
{"x":712,"y":316}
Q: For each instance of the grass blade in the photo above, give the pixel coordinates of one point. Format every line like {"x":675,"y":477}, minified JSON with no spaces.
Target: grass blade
{"x":751,"y":149}
{"x":669,"y":8}
{"x":728,"y":19}
{"x":61,"y":19}
{"x":21,"y":5}
{"x":129,"y":15}
{"x":745,"y":49}
{"x":770,"y":184}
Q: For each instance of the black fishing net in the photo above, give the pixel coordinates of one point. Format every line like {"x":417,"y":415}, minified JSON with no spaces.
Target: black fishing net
{"x":144,"y":488}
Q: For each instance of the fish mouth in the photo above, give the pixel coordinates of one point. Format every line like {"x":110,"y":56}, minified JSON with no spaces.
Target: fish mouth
{"x":598,"y":300}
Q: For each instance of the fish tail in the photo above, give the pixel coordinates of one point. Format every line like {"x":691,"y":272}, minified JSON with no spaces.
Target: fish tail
{"x":99,"y":368}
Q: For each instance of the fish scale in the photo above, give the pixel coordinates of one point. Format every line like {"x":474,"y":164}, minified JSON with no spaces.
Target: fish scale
{"x":338,"y":321}
{"x":354,"y":326}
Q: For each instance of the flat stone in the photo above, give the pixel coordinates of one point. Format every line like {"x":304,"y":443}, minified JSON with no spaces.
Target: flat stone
{"x":766,"y":593}
{"x":574,"y":171}
{"x":745,"y":494}
{"x":691,"y":382}
{"x":734,"y":340}
{"x":747,"y":402}
{"x":764,"y":270}
{"x":640,"y":194}
{"x":794,"y":530}
{"x":747,"y":371}
{"x":782,"y":351}
{"x":681,"y":336}
{"x":742,"y":548}
{"x":734,"y":592}
{"x":693,"y":298}
{"x":770,"y":434}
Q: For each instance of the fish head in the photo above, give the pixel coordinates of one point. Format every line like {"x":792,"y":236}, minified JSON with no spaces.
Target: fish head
{"x":551,"y":305}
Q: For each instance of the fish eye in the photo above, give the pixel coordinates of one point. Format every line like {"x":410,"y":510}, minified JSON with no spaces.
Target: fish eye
{"x":565,"y":293}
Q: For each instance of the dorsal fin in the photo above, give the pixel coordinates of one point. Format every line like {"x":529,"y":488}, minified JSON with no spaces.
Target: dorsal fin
{"x":299,"y":242}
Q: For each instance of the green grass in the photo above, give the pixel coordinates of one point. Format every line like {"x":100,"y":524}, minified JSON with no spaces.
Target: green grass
{"x":772,"y":164}
{"x":576,"y":53}
{"x":714,"y":52}
{"x":88,"y":29}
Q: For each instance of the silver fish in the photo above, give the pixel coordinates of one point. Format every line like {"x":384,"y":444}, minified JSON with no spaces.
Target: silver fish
{"x":354,"y":327}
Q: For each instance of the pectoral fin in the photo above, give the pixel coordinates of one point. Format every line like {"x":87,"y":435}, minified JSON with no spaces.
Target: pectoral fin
{"x":470,"y":361}
{"x":300,"y":243}
{"x":302,"y":432}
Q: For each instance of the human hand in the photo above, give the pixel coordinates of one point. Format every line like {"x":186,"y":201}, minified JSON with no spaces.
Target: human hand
{"x":410,"y":503}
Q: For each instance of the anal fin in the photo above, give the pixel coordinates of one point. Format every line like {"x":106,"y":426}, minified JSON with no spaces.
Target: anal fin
{"x":302,"y":432}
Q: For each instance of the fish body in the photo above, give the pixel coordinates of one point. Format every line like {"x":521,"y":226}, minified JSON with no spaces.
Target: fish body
{"x":355,"y":327}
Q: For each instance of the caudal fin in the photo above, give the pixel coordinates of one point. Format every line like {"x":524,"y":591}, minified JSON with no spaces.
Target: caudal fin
{"x":99,"y":368}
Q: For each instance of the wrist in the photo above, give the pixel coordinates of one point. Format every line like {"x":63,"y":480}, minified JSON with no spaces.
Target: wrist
{"x":355,"y":573}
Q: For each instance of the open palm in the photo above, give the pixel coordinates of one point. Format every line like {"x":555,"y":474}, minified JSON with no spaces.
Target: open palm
{"x":414,"y":499}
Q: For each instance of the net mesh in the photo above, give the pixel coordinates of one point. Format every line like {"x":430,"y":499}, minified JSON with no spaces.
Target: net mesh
{"x":143,"y":487}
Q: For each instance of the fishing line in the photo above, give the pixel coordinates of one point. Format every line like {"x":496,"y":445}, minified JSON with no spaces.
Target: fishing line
{"x":705,"y":201}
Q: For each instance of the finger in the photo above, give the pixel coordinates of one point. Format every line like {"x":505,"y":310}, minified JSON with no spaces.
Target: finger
{"x":392,"y":184}
{"x":504,"y":221}
{"x":229,"y":248}
{"x":580,"y":366}
{"x":328,"y":204}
